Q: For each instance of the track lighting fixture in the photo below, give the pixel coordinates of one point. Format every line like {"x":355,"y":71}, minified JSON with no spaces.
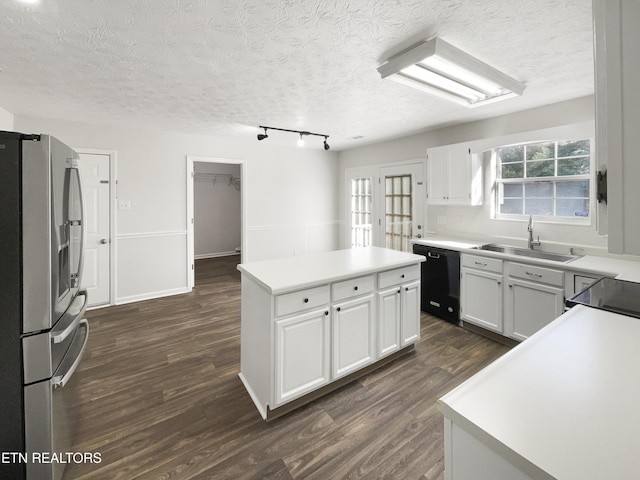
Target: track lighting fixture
{"x":262,"y":136}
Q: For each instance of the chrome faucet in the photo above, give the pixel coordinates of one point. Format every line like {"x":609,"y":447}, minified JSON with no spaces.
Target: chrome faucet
{"x":531,"y":242}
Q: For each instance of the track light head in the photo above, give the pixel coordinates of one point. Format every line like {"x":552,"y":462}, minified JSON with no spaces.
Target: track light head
{"x":326,"y":145}
{"x":262,"y":136}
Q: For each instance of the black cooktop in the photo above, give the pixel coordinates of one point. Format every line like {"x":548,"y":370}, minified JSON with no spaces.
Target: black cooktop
{"x":618,"y":296}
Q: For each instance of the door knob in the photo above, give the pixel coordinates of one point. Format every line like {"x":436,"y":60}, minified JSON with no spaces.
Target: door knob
{"x":103,"y":241}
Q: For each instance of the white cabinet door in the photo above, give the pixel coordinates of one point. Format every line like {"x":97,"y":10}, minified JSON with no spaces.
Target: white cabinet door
{"x":459,"y":176}
{"x":617,"y":64}
{"x":437,"y":174}
{"x":481,"y":299}
{"x":301,"y":354}
{"x":353,"y":336}
{"x":531,"y":306}
{"x":454,"y":176}
{"x":388,"y":321}
{"x":410,"y":313}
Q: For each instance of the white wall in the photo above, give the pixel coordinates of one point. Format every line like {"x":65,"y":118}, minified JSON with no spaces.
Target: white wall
{"x":470,"y":221}
{"x":217,"y":228}
{"x":6,"y":120}
{"x":290,"y":207}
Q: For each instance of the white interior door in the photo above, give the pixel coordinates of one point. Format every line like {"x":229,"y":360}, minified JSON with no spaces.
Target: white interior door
{"x":403,"y":197}
{"x":96,"y":275}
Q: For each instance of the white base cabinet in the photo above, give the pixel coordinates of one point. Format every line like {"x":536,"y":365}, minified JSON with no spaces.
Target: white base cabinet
{"x":410,"y":313}
{"x":509,"y":298}
{"x":353,"y":336}
{"x":388,"y":321}
{"x":481,"y":292}
{"x":467,"y":458}
{"x":302,"y":354}
{"x":531,"y":306}
{"x":296,"y":342}
{"x":535,"y":298}
{"x":398,"y":317}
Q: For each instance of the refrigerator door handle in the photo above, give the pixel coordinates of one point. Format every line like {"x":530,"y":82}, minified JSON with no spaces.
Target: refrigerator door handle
{"x":70,"y":320}
{"x":75,"y":352}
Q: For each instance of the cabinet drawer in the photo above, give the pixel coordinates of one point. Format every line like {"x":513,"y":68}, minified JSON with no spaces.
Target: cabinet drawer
{"x":398,"y":276}
{"x":482,"y":263}
{"x":351,"y":288}
{"x":537,"y":274}
{"x":302,"y":300}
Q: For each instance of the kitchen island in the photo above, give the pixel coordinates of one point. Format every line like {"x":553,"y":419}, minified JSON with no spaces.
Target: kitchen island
{"x":312,"y":323}
{"x":563,"y":405}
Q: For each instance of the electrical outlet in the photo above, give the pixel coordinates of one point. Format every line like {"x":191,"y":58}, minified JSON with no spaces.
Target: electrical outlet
{"x":442,"y":220}
{"x":124,"y":204}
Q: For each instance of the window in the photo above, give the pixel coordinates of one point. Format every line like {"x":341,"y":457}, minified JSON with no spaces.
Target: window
{"x":550,"y":179}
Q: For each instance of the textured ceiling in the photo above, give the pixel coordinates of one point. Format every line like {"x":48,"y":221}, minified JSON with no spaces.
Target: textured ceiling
{"x":220,"y":67}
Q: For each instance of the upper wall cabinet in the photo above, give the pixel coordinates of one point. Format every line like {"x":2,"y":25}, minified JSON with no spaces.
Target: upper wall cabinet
{"x":617,"y":67}
{"x":454,"y":176}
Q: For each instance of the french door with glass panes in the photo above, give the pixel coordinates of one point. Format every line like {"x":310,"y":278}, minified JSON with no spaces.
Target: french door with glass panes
{"x":402,"y":197}
{"x":385,"y":206}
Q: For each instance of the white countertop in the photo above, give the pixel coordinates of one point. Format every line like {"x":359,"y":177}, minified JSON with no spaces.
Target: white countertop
{"x":566,"y":400}
{"x":295,"y":273}
{"x":603,"y":266}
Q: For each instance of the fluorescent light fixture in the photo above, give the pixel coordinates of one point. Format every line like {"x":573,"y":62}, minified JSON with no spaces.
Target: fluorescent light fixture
{"x":439,"y":68}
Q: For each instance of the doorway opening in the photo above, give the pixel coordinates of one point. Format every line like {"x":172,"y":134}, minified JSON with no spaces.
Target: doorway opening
{"x":215,"y":217}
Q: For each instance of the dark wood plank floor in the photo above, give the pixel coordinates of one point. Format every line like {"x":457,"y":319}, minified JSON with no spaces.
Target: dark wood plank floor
{"x":158,"y":396}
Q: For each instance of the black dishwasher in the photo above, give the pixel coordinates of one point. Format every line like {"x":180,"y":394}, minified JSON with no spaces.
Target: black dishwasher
{"x":440,"y":282}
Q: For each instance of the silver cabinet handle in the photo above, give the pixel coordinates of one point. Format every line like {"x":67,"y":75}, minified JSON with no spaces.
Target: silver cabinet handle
{"x":480,"y":263}
{"x":534,"y":275}
{"x":104,"y":241}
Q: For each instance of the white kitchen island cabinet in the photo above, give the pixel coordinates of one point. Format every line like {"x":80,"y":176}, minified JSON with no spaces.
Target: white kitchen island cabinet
{"x":562,"y":405}
{"x":311,"y":324}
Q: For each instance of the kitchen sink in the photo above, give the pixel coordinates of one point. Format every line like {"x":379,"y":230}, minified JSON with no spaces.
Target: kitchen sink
{"x":525,"y":252}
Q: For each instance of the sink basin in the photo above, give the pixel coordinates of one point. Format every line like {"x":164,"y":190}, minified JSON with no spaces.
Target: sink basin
{"x":525,"y":252}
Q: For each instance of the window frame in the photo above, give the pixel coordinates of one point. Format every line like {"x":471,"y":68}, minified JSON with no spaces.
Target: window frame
{"x":497,"y":187}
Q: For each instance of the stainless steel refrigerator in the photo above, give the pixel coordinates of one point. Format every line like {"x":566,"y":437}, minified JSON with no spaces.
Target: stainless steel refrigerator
{"x":42,"y":332}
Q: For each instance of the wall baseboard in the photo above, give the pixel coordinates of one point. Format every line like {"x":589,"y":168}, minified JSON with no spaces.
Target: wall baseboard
{"x":214,"y":255}
{"x":151,"y":295}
